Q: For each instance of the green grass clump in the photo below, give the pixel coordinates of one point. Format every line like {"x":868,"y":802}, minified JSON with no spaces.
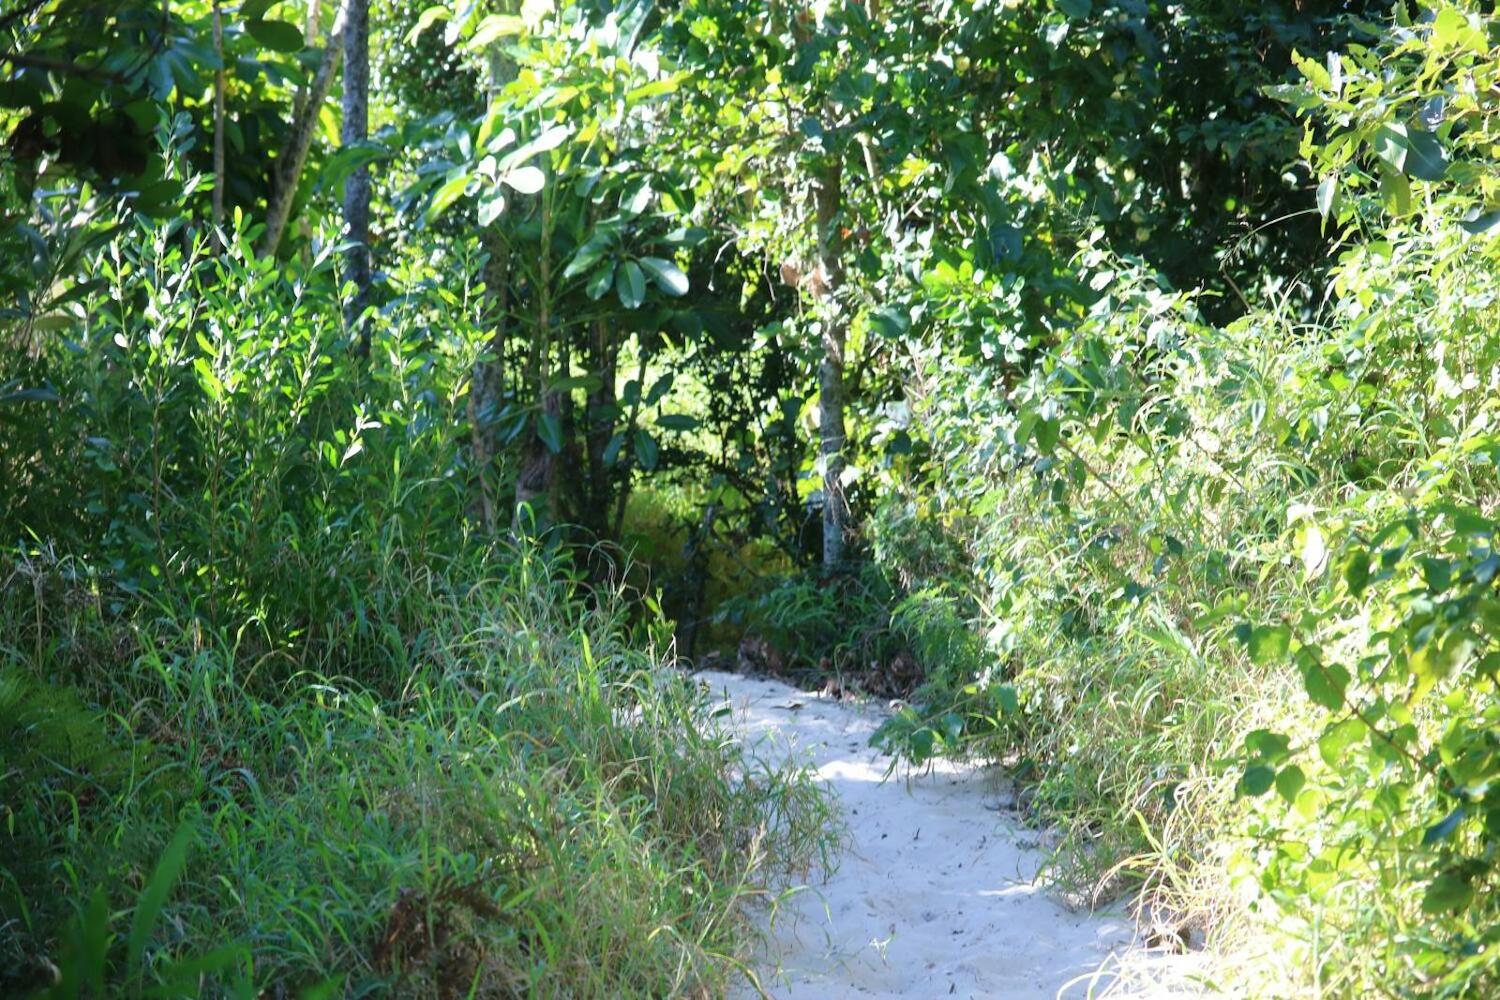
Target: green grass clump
{"x":524,"y":803}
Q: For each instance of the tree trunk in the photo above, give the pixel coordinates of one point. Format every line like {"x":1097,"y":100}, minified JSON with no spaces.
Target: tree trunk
{"x":534,"y":484}
{"x":627,"y":452}
{"x":602,"y":419}
{"x":487,"y":382}
{"x":294,"y":157}
{"x":356,"y":127}
{"x":835,"y":325}
{"x":217,"y":207}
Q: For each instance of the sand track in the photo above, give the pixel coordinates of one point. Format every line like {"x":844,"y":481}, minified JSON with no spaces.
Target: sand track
{"x":936,"y":893}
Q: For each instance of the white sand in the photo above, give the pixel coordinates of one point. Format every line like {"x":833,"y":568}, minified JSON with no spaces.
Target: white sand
{"x":935,"y":895}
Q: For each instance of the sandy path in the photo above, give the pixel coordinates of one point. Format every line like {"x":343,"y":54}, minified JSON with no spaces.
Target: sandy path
{"x":935,"y":895}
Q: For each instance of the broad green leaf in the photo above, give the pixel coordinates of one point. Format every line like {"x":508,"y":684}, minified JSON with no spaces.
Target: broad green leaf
{"x":1048,"y":432}
{"x":601,"y":280}
{"x":1452,"y":29}
{"x":1257,"y":780}
{"x":630,"y":285}
{"x":452,"y":190}
{"x":491,"y":208}
{"x":429,"y":17}
{"x":526,"y":180}
{"x":612,"y":450}
{"x":645,"y":449}
{"x":276,"y":35}
{"x":1447,"y":893}
{"x":1328,"y":195}
{"x":666,"y":275}
{"x":549,"y":140}
{"x":1289,"y":783}
{"x":1391,"y":145}
{"x":1481,"y":223}
{"x":1426,"y":159}
{"x":1336,"y":741}
{"x":1443,"y":829}
{"x":1009,"y":699}
{"x":587,"y":255}
{"x":1395,"y":192}
{"x":1326,"y":684}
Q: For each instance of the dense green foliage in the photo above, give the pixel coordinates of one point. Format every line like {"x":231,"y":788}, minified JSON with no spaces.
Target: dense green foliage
{"x":1112,"y":382}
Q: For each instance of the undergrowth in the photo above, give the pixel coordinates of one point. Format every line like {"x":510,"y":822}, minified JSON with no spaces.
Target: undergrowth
{"x":278,"y":719}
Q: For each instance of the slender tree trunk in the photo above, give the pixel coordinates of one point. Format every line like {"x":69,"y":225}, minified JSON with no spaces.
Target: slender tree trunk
{"x":487,"y":382}
{"x":627,"y":453}
{"x":356,"y":127}
{"x":312,"y":30}
{"x":217,"y":208}
{"x":835,"y":324}
{"x":537,"y":478}
{"x":294,"y":157}
{"x":602,"y":421}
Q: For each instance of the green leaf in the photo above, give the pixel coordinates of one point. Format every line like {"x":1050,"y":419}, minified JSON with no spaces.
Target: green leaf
{"x":1451,"y":29}
{"x":1326,"y":684}
{"x":677,"y":422}
{"x":645,"y":449}
{"x":1009,"y":699}
{"x":1443,"y":828}
{"x":600,"y":281}
{"x":1257,"y":780}
{"x":587,"y":255}
{"x":1357,"y":572}
{"x":612,"y":450}
{"x":278,"y":36}
{"x":1048,"y":432}
{"x":154,"y":896}
{"x":526,"y":180}
{"x":1269,"y":643}
{"x":1266,"y":745}
{"x":1289,"y":782}
{"x":1447,"y":893}
{"x":452,"y":190}
{"x":630,"y":285}
{"x":1426,"y":158}
{"x":491,"y":208}
{"x":549,"y":429}
{"x":1437,"y":573}
{"x":1391,"y":145}
{"x":667,"y":276}
{"x":1481,"y":223}
{"x":1395,"y":192}
{"x":1336,"y":741}
{"x":1328,"y":195}
{"x":495,"y":27}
